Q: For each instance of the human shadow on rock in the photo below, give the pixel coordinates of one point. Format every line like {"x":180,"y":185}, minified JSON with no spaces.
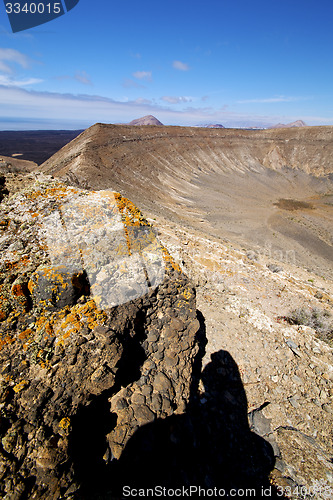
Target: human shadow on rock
{"x":210,"y":445}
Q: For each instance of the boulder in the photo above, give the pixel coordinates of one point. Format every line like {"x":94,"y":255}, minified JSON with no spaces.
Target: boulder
{"x":88,"y":352}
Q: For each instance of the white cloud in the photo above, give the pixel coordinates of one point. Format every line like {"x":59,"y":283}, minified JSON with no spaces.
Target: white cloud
{"x":143,"y":75}
{"x":5,"y":68}
{"x":128,"y":83}
{"x":136,"y":55}
{"x":11,"y":82}
{"x":180,"y":66}
{"x":12,"y":56}
{"x":269,"y":100}
{"x":48,"y":110}
{"x":63,"y":77}
{"x":83,"y":77}
{"x":80,"y":76}
{"x":175,"y":99}
{"x":142,"y":100}
{"x":16,"y":36}
{"x":8,"y":59}
{"x":18,"y":102}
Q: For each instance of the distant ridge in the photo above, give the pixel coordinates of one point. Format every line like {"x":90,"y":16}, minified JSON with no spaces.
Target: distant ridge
{"x":297,"y":123}
{"x":35,"y":145}
{"x":146,"y":120}
{"x":214,"y":125}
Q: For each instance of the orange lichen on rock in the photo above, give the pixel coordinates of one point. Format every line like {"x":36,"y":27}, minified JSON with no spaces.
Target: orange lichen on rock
{"x":10,"y":266}
{"x":65,"y":423}
{"x":18,"y":290}
{"x":31,"y":285}
{"x":20,"y":386}
{"x":20,"y":293}
{"x":61,"y":325}
{"x":26,"y":334}
{"x":6,"y":340}
{"x":169,"y":260}
{"x":24,"y":260}
{"x":4,"y":307}
{"x":70,"y":325}
{"x":14,"y":265}
{"x":187,"y":294}
{"x":81,"y":315}
{"x":58,"y":191}
{"x":54,"y":273}
{"x":33,"y":195}
{"x":131,"y":215}
{"x":133,"y":220}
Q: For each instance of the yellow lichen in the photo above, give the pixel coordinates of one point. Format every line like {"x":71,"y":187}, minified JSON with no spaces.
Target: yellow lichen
{"x":7,"y":340}
{"x":87,"y":314}
{"x":26,"y":334}
{"x":131,"y":215}
{"x":4,"y":223}
{"x":187,"y":294}
{"x":18,"y":290}
{"x":169,"y":260}
{"x":20,"y":386}
{"x":3,"y":315}
{"x":32,"y":285}
{"x":65,"y":423}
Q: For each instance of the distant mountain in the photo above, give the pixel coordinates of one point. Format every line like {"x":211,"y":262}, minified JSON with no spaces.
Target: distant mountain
{"x":146,"y":120}
{"x":215,"y":125}
{"x":297,"y":123}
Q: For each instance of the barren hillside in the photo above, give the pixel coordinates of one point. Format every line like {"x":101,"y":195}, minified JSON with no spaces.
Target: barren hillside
{"x":247,"y":215}
{"x":222,"y":182}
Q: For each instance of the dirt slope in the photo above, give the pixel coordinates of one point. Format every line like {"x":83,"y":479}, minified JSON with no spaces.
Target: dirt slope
{"x":225,"y":182}
{"x":248,"y":215}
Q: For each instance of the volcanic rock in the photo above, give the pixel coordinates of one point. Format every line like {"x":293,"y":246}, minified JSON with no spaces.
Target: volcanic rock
{"x":81,"y":327}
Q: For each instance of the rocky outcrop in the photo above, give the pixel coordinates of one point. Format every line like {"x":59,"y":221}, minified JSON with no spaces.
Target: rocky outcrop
{"x":98,"y":335}
{"x":3,"y":188}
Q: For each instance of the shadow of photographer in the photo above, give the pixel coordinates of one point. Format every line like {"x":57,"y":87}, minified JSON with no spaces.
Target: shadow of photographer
{"x":211,"y":445}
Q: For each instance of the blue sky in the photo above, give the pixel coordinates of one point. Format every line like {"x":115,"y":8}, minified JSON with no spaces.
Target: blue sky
{"x":239,"y":63}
